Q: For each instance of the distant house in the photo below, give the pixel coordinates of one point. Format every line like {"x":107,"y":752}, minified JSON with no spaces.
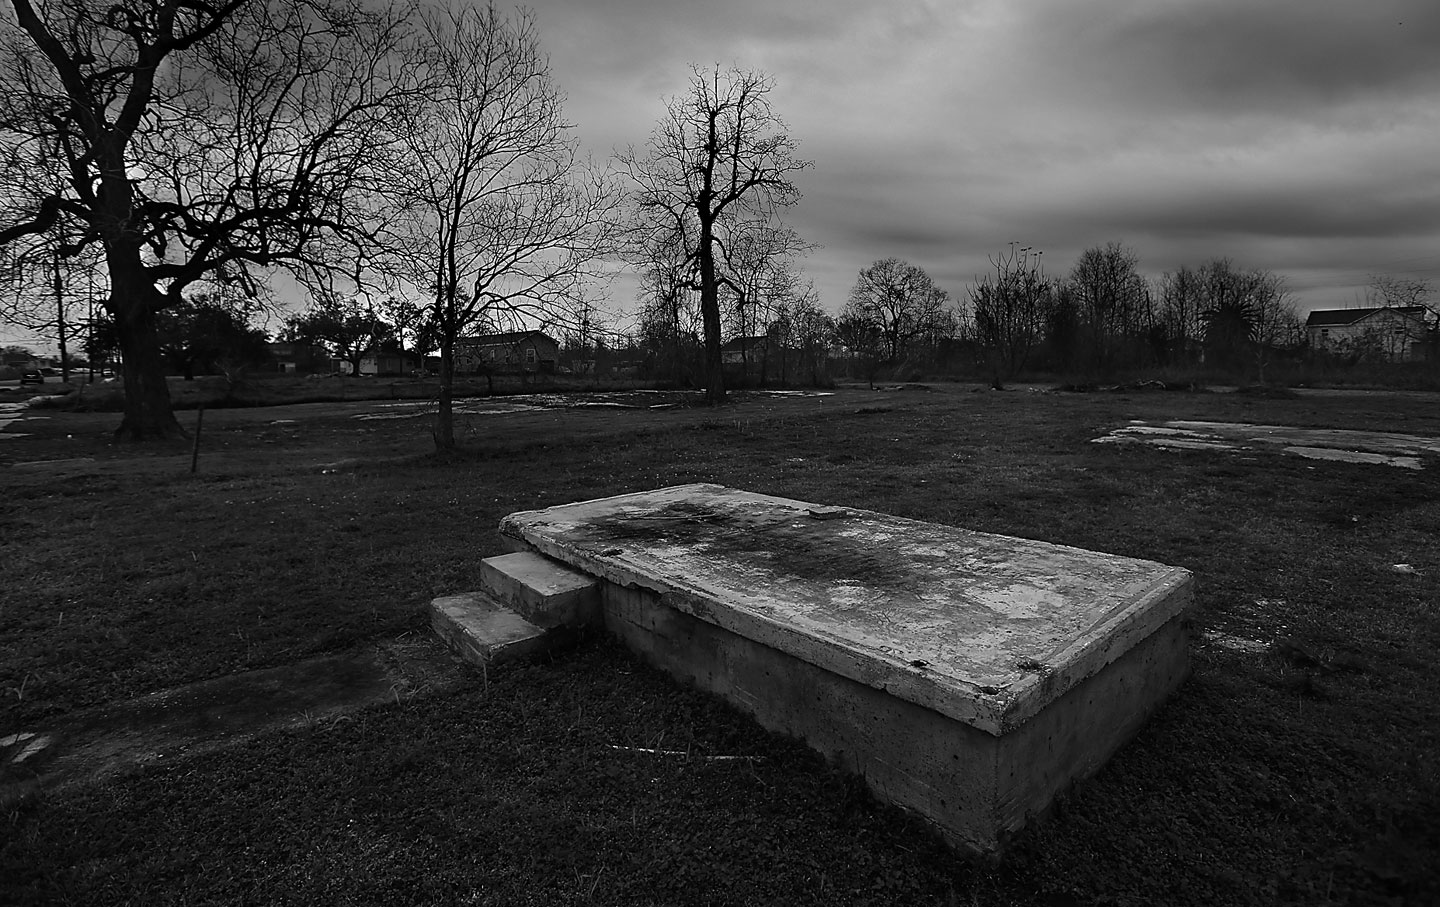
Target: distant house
{"x":301,"y":358}
{"x":515,"y":351}
{"x":744,"y":349}
{"x":389,"y":363}
{"x":1395,"y":333}
{"x":17,"y":359}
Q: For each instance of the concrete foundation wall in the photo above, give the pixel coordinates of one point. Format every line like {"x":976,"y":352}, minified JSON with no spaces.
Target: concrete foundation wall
{"x":977,"y":787}
{"x":1074,"y":736}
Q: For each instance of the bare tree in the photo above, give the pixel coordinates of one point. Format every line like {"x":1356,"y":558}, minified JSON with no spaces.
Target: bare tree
{"x":347,"y":326}
{"x":1399,"y":292}
{"x":1010,"y":308}
{"x":1247,"y":313}
{"x":863,"y":338}
{"x":412,"y":321}
{"x":899,"y":298}
{"x":719,"y":163}
{"x":1181,"y":302}
{"x":193,"y":140}
{"x":499,"y":221}
{"x":1278,"y":327}
{"x":1115,"y":303}
{"x":1406,"y":293}
{"x":758,"y":271}
{"x":50,"y":295}
{"x":811,"y":332}
{"x":670,"y":320}
{"x":761,"y":278}
{"x":211,"y":332}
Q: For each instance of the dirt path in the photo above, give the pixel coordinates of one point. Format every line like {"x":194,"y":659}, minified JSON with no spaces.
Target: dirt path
{"x":214,"y":714}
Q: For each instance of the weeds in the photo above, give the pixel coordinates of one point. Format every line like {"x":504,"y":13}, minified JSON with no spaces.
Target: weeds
{"x":1295,"y":774}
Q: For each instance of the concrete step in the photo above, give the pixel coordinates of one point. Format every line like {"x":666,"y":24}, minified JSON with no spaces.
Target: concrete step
{"x":545,"y":592}
{"x":483,"y":631}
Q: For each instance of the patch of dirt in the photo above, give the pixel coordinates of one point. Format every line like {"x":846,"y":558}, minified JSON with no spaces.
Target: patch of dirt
{"x":214,"y":714}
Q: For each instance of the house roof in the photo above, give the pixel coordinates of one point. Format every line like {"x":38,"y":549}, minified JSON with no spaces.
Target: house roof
{"x":1329,"y":317}
{"x":507,"y":338}
{"x":740,"y":344}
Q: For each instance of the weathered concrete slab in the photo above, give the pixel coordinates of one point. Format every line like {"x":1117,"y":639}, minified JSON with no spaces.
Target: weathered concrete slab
{"x":543,"y":591}
{"x":982,"y":628}
{"x":969,"y":677}
{"x":1345,"y":445}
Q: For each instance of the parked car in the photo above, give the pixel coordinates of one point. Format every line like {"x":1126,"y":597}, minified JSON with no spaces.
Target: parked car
{"x":41,"y":376}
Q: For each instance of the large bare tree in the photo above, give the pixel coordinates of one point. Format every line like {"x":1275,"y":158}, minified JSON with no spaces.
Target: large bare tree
{"x":500,"y":223}
{"x":1246,"y":313}
{"x":1114,"y":301}
{"x":901,"y":300}
{"x":190,"y":140}
{"x":1181,"y":303}
{"x":719,"y":163}
{"x":1011,"y":306}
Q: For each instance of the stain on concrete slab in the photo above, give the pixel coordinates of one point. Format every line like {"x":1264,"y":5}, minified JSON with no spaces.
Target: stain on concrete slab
{"x":1343,"y":445}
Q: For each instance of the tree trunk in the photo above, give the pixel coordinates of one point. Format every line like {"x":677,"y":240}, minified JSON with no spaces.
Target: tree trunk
{"x":710,"y":314}
{"x":60,"y":322}
{"x":445,"y":409}
{"x":149,"y":415}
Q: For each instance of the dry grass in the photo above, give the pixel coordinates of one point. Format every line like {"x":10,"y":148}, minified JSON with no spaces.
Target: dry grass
{"x":1300,"y":773}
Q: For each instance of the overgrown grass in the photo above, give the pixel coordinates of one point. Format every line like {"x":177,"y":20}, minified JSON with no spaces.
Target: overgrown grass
{"x":1303,"y":774}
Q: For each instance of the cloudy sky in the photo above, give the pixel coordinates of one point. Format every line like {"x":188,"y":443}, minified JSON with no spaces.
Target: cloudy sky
{"x":1300,"y":136}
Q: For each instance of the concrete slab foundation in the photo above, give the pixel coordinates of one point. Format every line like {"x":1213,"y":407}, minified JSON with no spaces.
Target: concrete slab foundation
{"x":1378,"y":447}
{"x":969,"y":677}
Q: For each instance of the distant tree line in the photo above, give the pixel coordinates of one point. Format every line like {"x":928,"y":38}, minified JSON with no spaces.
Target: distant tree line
{"x":1100,"y":321}
{"x":412,"y":171}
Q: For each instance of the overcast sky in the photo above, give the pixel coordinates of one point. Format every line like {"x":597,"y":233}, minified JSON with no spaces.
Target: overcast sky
{"x":1300,"y":136}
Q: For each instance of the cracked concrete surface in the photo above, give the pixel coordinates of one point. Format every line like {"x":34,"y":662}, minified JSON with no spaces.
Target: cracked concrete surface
{"x":1375,"y":447}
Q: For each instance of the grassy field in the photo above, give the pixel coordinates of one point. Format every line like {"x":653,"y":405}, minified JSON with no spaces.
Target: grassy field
{"x":1299,"y":769}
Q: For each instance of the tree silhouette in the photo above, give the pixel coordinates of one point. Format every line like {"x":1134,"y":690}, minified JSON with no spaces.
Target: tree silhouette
{"x":719,"y":164}
{"x":190,"y":140}
{"x":901,"y":300}
{"x":500,"y":222}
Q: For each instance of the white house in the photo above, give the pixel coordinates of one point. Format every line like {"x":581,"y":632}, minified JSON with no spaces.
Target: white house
{"x":1396,"y":333}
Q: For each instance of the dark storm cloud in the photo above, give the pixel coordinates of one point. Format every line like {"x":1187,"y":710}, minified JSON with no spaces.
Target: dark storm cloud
{"x":1229,"y":56}
{"x":1288,"y":134}
{"x":1284,"y":213}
